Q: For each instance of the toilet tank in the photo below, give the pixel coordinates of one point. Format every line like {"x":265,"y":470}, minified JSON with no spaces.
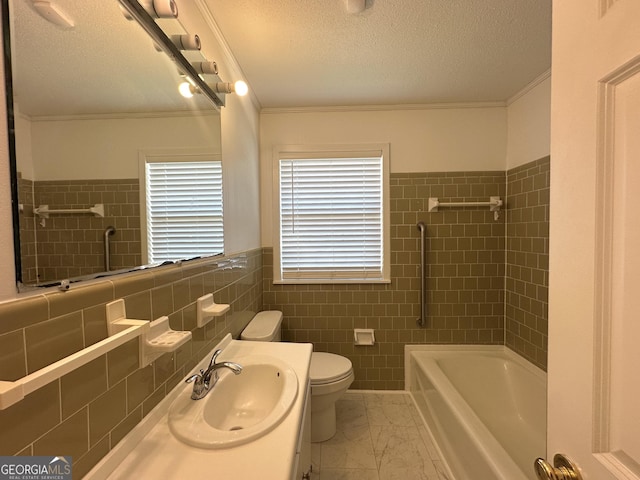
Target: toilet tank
{"x":264,"y":327}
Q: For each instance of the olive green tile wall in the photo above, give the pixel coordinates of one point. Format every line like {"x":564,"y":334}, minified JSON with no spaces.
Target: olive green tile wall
{"x":466,"y":271}
{"x":89,"y":410}
{"x":86,"y":412}
{"x":527,"y":279}
{"x":27,"y":230}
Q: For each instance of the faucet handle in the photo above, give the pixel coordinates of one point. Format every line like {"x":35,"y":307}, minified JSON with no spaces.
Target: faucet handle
{"x":194,"y":378}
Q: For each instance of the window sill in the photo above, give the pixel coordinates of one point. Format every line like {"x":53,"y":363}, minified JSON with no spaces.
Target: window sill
{"x":337,"y":281}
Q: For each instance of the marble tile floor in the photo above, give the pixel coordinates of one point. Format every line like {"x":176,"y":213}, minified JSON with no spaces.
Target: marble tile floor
{"x":380,"y":436}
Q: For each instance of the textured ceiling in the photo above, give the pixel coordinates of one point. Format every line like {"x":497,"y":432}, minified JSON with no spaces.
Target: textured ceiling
{"x":103,"y":65}
{"x":294,"y":53}
{"x":298,"y":53}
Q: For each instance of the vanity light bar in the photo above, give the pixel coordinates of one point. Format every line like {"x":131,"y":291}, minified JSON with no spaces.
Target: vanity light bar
{"x":160,"y":8}
{"x":206,"y":68}
{"x":138,"y":12}
{"x":239,"y":88}
{"x":186,"y":42}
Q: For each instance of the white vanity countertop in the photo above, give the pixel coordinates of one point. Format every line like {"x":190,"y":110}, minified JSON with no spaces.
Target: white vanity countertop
{"x":151,"y":451}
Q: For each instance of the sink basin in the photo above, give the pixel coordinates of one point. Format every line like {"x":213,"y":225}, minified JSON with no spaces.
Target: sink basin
{"x":239,"y":408}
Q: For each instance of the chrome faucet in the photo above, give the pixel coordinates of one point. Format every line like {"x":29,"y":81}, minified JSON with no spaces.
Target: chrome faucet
{"x":204,"y":381}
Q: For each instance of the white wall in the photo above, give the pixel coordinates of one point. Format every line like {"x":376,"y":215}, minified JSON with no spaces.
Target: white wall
{"x":528,"y":123}
{"x":240,"y":127}
{"x":421,"y":140}
{"x":107,"y":148}
{"x":24,"y":154}
{"x":241,"y":173}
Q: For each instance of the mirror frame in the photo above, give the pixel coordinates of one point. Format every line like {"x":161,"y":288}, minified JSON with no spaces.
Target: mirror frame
{"x":140,"y":15}
{"x":11,"y":138}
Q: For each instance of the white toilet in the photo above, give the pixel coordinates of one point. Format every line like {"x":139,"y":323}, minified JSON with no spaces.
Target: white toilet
{"x":330,"y":374}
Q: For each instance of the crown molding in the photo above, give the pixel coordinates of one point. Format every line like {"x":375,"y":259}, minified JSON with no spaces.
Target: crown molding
{"x":530,"y":86}
{"x":230,"y":60}
{"x":383,"y":108}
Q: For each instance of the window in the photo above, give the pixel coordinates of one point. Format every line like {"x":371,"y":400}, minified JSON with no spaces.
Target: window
{"x":333,"y":215}
{"x":183,"y":200}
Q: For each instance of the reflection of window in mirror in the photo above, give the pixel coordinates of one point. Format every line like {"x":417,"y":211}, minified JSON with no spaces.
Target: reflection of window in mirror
{"x":182,"y":199}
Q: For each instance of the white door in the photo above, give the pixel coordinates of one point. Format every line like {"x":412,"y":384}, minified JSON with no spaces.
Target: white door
{"x":594,"y":297}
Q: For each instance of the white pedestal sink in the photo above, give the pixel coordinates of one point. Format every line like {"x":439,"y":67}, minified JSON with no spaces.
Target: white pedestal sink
{"x":239,"y":408}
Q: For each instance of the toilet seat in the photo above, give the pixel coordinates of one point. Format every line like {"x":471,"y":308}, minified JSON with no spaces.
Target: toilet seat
{"x":329,"y":368}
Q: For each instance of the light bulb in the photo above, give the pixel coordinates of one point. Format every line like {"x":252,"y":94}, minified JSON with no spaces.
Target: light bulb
{"x":241,"y":88}
{"x":186,"y":89}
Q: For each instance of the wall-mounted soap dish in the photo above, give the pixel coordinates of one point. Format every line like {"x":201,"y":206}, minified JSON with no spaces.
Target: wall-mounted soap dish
{"x":206,"y":309}
{"x":157,"y":339}
{"x":160,"y":340}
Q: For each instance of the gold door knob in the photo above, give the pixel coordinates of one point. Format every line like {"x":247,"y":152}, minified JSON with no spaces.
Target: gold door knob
{"x":562,"y":469}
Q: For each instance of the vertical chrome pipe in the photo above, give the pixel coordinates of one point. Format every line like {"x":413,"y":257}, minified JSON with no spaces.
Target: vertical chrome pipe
{"x":107,"y":251}
{"x":422,"y":320}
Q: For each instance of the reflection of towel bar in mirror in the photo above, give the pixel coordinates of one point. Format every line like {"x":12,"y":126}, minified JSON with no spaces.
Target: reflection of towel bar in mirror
{"x":44,"y":211}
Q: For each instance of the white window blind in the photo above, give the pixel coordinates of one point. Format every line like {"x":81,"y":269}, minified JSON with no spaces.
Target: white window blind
{"x":184,"y":209}
{"x":331,"y":219}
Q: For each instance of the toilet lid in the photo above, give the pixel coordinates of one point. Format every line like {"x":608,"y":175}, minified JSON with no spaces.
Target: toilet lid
{"x":328,"y":367}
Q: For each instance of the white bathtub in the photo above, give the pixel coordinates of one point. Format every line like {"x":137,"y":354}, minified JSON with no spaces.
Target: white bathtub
{"x":485,"y":405}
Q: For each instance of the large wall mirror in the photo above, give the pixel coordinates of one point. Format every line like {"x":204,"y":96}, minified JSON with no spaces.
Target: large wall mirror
{"x":91,"y":103}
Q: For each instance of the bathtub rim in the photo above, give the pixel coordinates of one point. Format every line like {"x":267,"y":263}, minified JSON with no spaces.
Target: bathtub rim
{"x":504,"y":466}
{"x":451,"y":349}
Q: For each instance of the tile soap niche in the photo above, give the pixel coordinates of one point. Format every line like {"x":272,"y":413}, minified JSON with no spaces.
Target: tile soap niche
{"x":157,"y":337}
{"x":364,"y":336}
{"x":207,"y":309}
